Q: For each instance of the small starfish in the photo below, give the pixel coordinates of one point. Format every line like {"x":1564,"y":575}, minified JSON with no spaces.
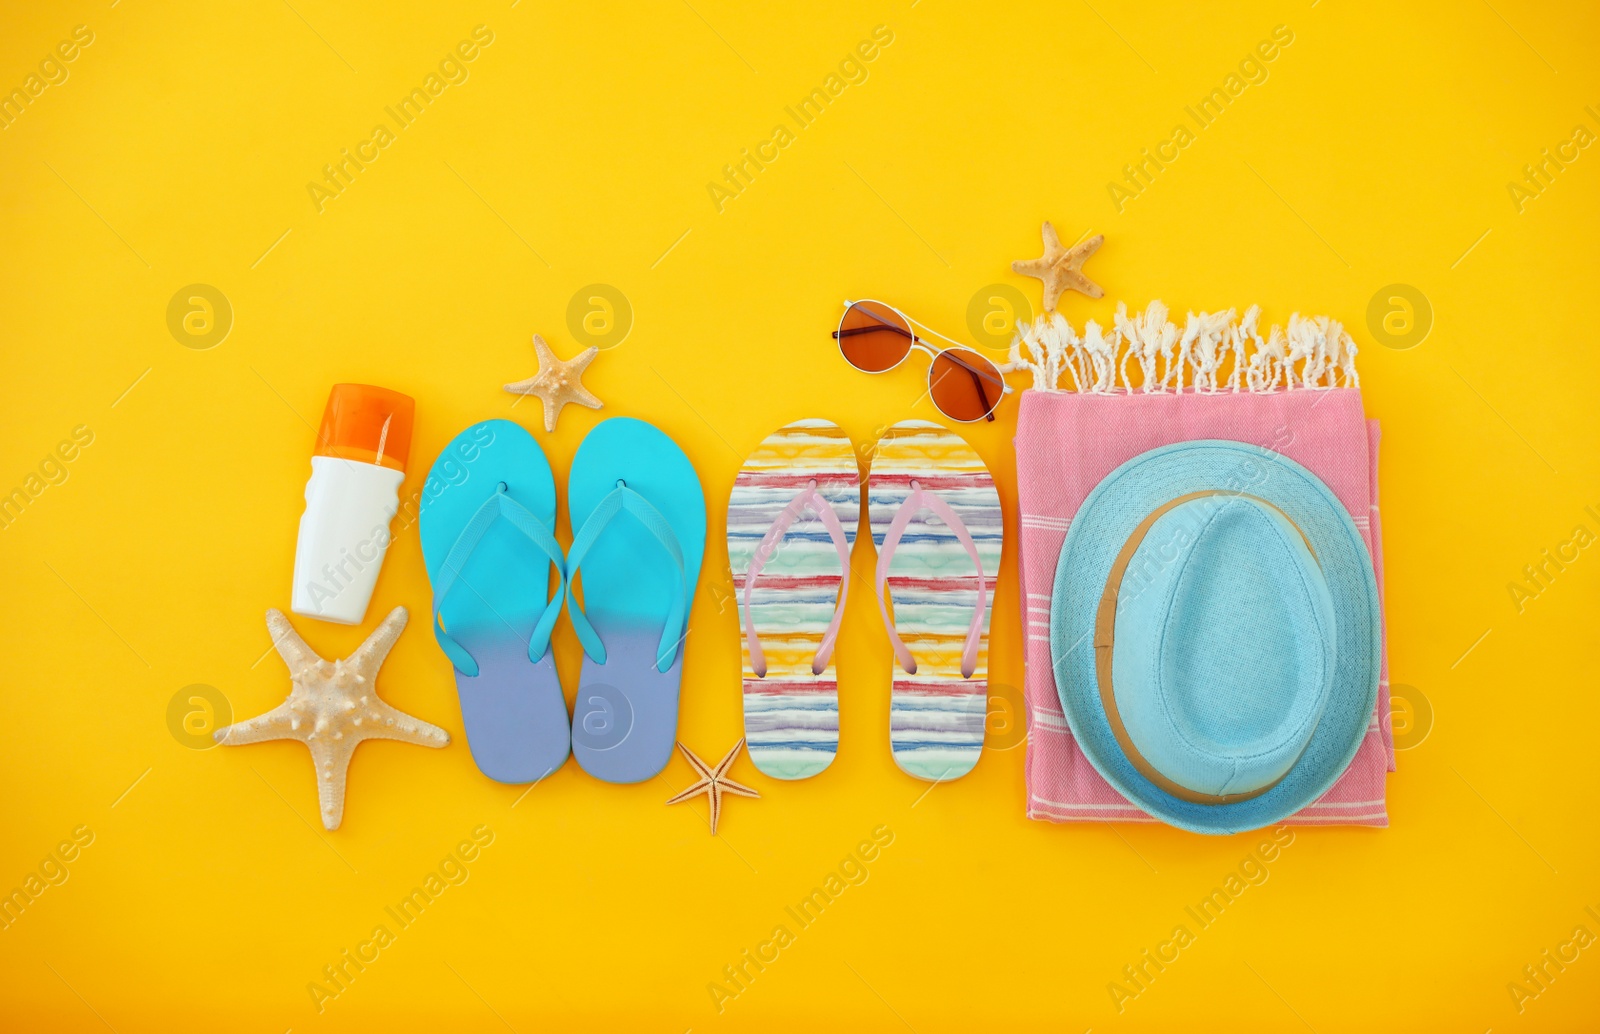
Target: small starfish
{"x":1060,"y":268}
{"x":713,"y":783}
{"x":557,"y":382}
{"x":333,"y":707}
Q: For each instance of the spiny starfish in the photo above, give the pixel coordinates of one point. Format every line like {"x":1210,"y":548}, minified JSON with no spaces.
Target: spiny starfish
{"x":713,"y":783}
{"x":557,"y":382}
{"x":333,"y":706}
{"x":1061,"y":268}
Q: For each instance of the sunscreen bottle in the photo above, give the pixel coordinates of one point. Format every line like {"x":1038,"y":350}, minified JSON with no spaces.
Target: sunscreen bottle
{"x":352,"y":496}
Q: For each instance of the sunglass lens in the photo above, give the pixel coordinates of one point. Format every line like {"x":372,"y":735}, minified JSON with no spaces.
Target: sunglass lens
{"x":964,"y":385}
{"x":873,"y":337}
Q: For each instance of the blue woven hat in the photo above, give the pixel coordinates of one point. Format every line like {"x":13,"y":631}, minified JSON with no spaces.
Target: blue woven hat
{"x":1215,"y":634}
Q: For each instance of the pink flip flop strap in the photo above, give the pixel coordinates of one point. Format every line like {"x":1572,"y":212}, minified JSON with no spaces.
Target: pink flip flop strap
{"x":807,"y":498}
{"x":915,"y":503}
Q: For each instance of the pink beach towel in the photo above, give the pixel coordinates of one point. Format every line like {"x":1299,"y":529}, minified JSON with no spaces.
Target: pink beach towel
{"x":1066,"y":443}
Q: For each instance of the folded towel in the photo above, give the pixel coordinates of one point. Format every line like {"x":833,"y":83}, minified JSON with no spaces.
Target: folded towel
{"x":1066,"y":443}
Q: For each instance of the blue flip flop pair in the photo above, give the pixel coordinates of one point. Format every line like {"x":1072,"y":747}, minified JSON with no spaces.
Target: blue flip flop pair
{"x":488,"y":539}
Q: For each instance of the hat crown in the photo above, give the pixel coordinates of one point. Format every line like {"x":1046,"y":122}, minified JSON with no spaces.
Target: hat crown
{"x":1223,"y":657}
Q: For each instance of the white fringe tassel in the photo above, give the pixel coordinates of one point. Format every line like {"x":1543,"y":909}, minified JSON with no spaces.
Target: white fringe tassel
{"x":1215,"y":352}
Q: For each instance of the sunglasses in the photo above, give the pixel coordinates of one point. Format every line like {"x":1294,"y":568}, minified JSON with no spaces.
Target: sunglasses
{"x":875,"y":337}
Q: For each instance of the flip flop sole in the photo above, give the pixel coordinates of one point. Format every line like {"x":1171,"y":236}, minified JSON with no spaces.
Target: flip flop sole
{"x":936,"y":717}
{"x":625,"y":720}
{"x":513,"y":711}
{"x":791,"y":714}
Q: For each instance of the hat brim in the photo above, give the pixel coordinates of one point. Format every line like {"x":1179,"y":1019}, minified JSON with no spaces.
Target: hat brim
{"x":1097,"y":533}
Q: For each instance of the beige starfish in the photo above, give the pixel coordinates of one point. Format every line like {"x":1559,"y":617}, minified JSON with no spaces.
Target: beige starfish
{"x":1061,"y":268}
{"x":713,"y":783}
{"x":557,"y":382}
{"x":333,"y":706}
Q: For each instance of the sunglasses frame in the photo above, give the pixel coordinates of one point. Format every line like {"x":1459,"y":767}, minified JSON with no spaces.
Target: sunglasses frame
{"x":917,"y":344}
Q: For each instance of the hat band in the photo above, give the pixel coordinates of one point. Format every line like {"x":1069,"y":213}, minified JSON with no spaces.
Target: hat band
{"x":1105,"y":628}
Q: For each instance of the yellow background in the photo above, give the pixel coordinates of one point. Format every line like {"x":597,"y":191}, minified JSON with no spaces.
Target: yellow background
{"x":178,"y":151}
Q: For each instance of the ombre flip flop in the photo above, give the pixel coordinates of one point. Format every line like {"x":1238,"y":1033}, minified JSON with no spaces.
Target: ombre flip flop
{"x":639,"y":520}
{"x":486,"y":520}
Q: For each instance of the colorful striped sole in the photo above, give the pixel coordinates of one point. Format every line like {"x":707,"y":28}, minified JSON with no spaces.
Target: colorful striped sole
{"x":791,"y":714}
{"x":936,"y":716}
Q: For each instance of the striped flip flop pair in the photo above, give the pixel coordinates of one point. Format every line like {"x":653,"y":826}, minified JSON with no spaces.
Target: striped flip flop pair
{"x":935,"y":519}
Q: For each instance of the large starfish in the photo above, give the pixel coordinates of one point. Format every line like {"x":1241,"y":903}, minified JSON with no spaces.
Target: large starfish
{"x":333,"y":706}
{"x":713,"y":783}
{"x":1061,"y":268}
{"x":558,"y":382}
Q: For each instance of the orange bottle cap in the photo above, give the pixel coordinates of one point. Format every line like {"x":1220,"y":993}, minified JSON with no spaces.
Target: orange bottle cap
{"x":367,"y":423}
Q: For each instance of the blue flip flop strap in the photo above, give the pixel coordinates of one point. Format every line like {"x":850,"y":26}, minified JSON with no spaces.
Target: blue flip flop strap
{"x":619,"y":500}
{"x":520,"y":517}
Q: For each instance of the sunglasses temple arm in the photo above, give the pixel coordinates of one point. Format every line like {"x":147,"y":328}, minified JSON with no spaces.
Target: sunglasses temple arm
{"x":852,"y":331}
{"x":974,"y":371}
{"x":977,"y":383}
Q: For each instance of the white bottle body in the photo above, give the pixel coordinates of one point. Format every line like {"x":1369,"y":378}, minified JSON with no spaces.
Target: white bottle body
{"x":344,"y":534}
